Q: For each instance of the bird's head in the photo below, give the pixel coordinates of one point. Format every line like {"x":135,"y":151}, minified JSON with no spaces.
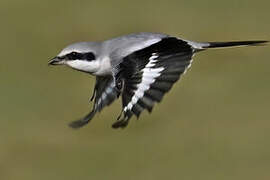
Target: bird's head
{"x":81,"y":56}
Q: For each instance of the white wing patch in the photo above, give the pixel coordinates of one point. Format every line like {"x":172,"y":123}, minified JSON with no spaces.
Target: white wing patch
{"x":148,"y":77}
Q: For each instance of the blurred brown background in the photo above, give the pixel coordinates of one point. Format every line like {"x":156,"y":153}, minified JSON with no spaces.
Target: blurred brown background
{"x":214,"y":124}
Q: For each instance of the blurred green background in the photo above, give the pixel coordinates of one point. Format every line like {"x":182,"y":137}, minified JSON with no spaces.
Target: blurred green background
{"x":214,"y":124}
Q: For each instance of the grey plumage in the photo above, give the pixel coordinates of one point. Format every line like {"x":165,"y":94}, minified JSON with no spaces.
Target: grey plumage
{"x":140,"y":67}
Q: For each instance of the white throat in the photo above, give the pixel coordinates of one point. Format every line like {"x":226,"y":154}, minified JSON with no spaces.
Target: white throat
{"x":99,"y":67}
{"x":86,"y":66}
{"x":105,"y":67}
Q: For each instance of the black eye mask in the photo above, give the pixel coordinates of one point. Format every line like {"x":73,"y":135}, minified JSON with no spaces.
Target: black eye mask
{"x":81,"y":56}
{"x":88,"y":56}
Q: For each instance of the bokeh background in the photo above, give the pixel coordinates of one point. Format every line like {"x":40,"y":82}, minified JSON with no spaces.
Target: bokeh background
{"x":214,"y":124}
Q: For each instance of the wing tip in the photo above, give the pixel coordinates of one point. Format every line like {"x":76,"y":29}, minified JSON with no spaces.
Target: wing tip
{"x":120,"y":124}
{"x":77,"y":124}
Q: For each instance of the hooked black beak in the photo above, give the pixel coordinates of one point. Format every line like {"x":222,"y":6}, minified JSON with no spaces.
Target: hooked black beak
{"x":55,"y":61}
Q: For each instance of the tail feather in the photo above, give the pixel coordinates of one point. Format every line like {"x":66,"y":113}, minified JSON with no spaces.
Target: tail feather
{"x":232,"y":44}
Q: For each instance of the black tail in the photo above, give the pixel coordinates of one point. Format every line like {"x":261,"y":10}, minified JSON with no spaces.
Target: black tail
{"x":231,"y":44}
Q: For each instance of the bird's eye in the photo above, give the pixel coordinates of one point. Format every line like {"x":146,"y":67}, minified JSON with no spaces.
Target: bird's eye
{"x":73,"y":56}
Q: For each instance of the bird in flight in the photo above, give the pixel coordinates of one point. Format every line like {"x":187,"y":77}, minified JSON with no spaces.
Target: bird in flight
{"x":140,"y":68}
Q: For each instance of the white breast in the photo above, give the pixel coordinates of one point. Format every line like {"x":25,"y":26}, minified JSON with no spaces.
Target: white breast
{"x":104,"y":67}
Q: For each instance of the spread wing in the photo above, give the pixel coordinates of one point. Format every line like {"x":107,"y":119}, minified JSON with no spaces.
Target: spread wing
{"x":149,"y":73}
{"x":104,"y":94}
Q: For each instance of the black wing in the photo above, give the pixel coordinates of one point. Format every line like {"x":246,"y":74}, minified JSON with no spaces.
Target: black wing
{"x":104,"y":93}
{"x":149,"y":73}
